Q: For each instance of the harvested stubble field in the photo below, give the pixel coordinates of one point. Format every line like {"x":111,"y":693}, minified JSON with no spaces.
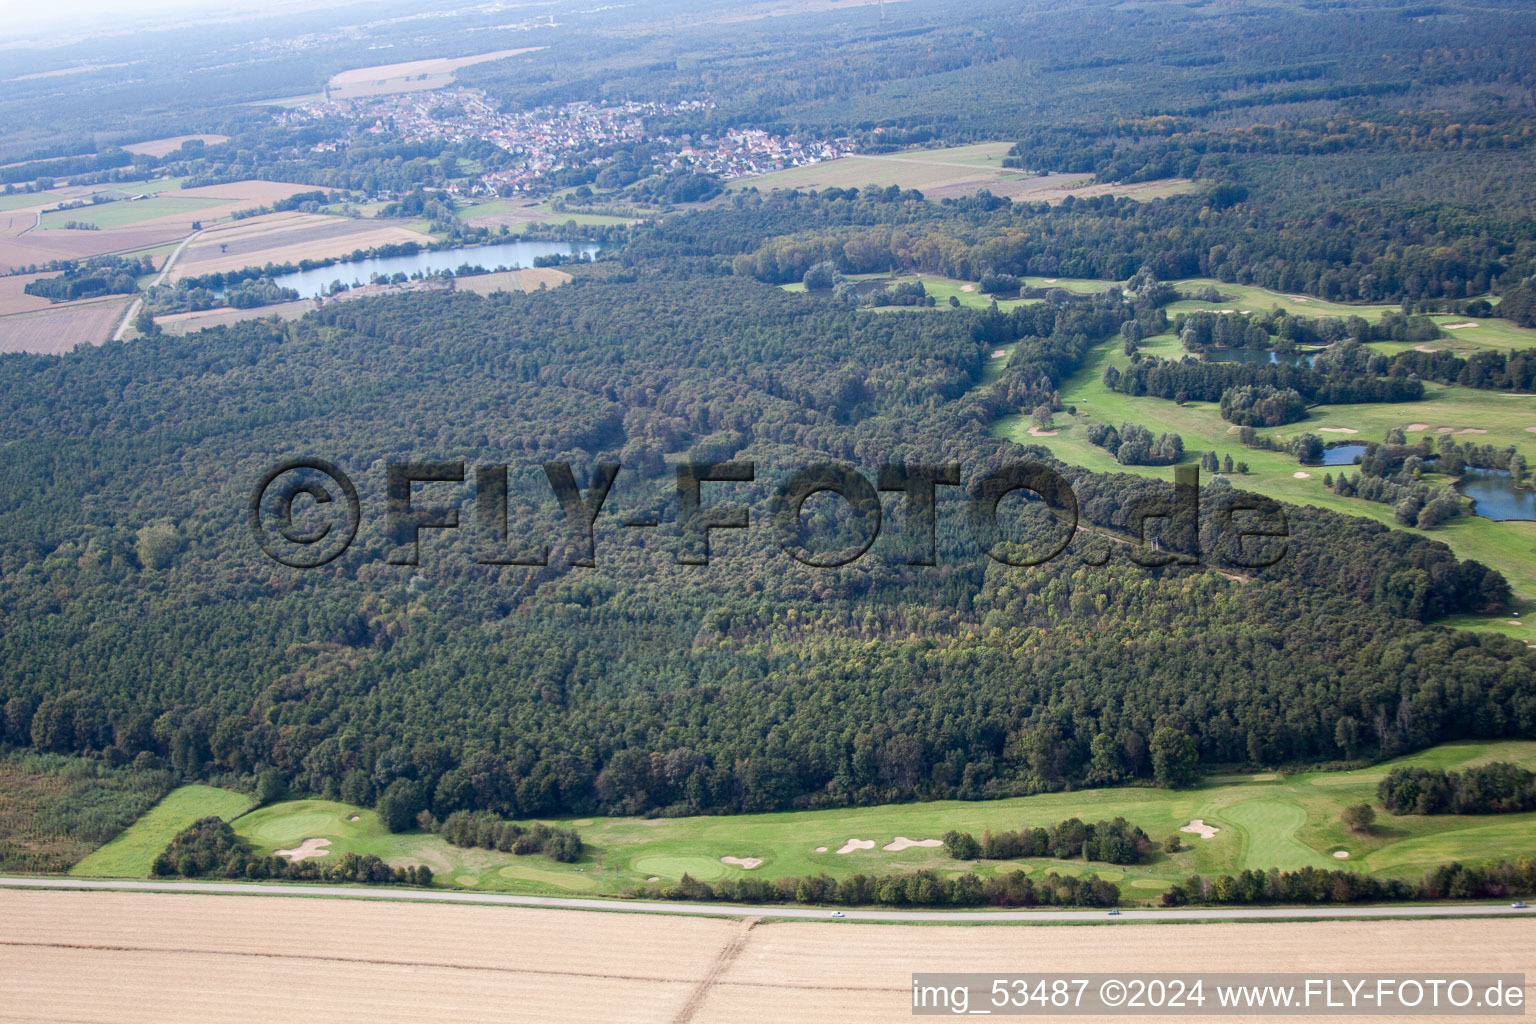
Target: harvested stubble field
{"x":127,"y":225}
{"x":126,"y":957}
{"x":13,"y":295}
{"x":160,"y":147}
{"x":152,"y":957}
{"x":39,"y":247}
{"x":527,"y":280}
{"x":186,"y":323}
{"x":62,"y":327}
{"x":285,"y":238}
{"x":951,"y":173}
{"x":411,"y":76}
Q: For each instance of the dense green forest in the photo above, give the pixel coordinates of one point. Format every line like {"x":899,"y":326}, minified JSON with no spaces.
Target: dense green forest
{"x":142,"y":624}
{"x":1374,"y":152}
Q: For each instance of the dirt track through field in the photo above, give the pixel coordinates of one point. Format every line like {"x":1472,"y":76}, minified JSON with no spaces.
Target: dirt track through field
{"x":129,"y":957}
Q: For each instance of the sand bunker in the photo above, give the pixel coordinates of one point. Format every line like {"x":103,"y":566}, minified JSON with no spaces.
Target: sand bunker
{"x":1341,"y":854}
{"x":1048,"y":280}
{"x":1200,"y":828}
{"x":1425,"y":348}
{"x":1452,"y":327}
{"x":1513,"y":622}
{"x":902,"y":842}
{"x":967,"y":287}
{"x":1417,"y":426}
{"x":1445,"y":430}
{"x":821,"y":849}
{"x":654,"y":878}
{"x":1337,"y":430}
{"x":998,"y":353}
{"x":745,"y":863}
{"x":353,"y":818}
{"x":1300,"y":475}
{"x":308,"y":848}
{"x":1471,"y":430}
{"x":1037,"y":432}
{"x":856,"y":844}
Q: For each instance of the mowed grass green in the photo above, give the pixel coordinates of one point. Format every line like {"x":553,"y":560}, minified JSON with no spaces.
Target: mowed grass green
{"x":1264,"y":820}
{"x":131,"y":853}
{"x":283,"y":826}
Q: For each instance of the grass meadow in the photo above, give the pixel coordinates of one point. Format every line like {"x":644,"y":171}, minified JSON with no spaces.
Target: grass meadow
{"x":131,"y":853}
{"x":1263,"y":820}
{"x":126,"y":212}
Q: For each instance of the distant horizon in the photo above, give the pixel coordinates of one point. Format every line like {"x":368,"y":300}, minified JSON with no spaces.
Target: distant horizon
{"x":69,"y":21}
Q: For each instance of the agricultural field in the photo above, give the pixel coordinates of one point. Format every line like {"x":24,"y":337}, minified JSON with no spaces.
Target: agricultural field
{"x":951,"y":173}
{"x":266,"y":959}
{"x":197,"y":320}
{"x":60,"y":328}
{"x":285,"y":238}
{"x":530,"y":279}
{"x":27,"y":200}
{"x":410,"y":76}
{"x":131,"y":854}
{"x":160,"y":147}
{"x":1261,"y":821}
{"x":126,"y":225}
{"x":14,"y":297}
{"x":257,"y":959}
{"x":516,"y":213}
{"x":128,"y":212}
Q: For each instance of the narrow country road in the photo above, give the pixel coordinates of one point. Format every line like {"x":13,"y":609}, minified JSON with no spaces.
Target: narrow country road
{"x":377,"y":892}
{"x":133,"y":307}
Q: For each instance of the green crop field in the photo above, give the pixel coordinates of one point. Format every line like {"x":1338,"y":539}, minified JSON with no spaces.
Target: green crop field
{"x":19,"y":200}
{"x":917,"y":169}
{"x":132,"y":852}
{"x":1263,"y":820}
{"x":123,"y":212}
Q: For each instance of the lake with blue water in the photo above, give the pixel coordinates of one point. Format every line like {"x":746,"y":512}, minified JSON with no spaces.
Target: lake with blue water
{"x":1496,"y":496}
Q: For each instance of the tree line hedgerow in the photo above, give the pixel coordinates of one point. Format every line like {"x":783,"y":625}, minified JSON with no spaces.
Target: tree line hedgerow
{"x":210,"y":847}
{"x":1309,"y":885}
{"x":1112,"y":842}
{"x":1496,"y":788}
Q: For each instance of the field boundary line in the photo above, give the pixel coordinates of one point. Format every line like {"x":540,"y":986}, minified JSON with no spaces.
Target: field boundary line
{"x":779,"y":913}
{"x":717,"y":969}
{"x":333,"y":958}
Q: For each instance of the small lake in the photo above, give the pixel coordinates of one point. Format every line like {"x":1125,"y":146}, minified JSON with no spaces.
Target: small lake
{"x":1496,"y":496}
{"x":1260,"y":356}
{"x":1341,"y":455}
{"x":511,"y":255}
